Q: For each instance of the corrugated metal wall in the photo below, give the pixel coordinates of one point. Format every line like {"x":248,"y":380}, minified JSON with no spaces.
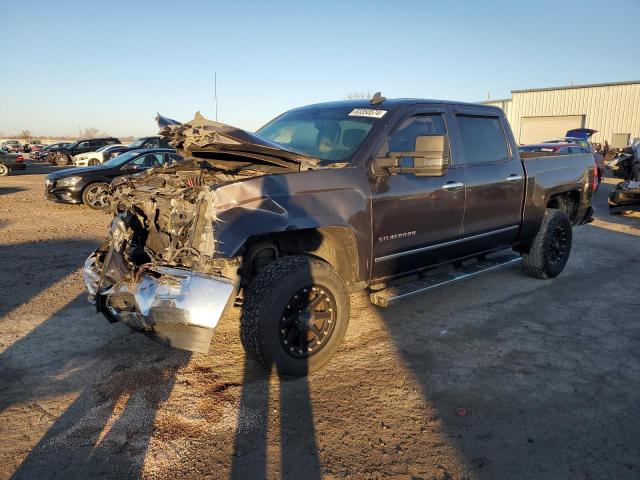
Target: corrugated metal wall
{"x":503,"y":104}
{"x":608,"y":108}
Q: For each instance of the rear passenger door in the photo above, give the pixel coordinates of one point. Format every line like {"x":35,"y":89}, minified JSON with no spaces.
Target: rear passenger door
{"x":494,"y":180}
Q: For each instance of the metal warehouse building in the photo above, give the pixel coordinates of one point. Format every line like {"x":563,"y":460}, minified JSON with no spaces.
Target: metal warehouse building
{"x":543,"y":113}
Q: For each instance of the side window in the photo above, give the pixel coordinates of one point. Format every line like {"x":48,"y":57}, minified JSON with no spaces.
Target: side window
{"x":111,"y":142}
{"x":175,"y":157}
{"x":83,"y":145}
{"x":151,"y":143}
{"x":483,"y":139}
{"x":149,"y":160}
{"x":403,"y":138}
{"x":96,"y":144}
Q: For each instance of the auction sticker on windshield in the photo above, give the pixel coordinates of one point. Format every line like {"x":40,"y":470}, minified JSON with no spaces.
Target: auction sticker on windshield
{"x":367,"y":112}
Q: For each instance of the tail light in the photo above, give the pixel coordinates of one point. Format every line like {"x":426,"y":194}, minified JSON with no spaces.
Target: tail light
{"x":19,"y":158}
{"x":596,"y":174}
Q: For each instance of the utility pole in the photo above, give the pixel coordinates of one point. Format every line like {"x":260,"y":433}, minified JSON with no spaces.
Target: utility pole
{"x":215,"y":92}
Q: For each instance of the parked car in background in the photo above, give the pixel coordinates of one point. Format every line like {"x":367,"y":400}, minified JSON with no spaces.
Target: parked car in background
{"x":90,"y":185}
{"x":34,"y":147}
{"x":45,"y":150}
{"x":625,"y":165}
{"x":574,"y":140}
{"x":155,"y":141}
{"x":581,"y":136}
{"x":64,"y":155}
{"x":11,"y":146}
{"x":558,"y":148}
{"x":10,"y":162}
{"x":99,"y":156}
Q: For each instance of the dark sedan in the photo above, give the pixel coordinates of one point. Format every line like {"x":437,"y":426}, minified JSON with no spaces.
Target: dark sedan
{"x":90,"y":185}
{"x":43,"y":152}
{"x":10,"y":162}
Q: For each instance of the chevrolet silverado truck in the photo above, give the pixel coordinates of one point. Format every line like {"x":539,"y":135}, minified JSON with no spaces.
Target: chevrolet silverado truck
{"x":395,"y":196}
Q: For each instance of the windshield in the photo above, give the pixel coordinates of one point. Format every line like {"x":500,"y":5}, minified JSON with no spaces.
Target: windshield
{"x":137,"y":143}
{"x":330,"y":134}
{"x":121,"y":159}
{"x":536,"y":149}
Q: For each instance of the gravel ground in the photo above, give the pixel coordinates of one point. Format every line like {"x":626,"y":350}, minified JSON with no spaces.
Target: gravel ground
{"x":547,"y":373}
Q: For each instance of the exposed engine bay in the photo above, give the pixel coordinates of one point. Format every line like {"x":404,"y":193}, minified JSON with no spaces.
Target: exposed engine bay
{"x":159,"y":272}
{"x":168,"y":215}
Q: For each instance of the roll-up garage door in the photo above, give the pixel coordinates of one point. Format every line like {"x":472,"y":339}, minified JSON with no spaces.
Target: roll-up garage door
{"x":537,"y":129}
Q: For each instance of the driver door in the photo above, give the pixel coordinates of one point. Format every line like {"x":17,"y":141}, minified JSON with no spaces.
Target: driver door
{"x":416,"y":220}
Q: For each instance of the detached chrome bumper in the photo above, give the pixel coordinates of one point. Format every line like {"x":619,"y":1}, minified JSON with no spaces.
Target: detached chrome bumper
{"x":171,"y":305}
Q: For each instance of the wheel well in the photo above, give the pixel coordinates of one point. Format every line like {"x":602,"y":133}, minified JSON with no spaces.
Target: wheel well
{"x":334,"y":245}
{"x":568,"y":202}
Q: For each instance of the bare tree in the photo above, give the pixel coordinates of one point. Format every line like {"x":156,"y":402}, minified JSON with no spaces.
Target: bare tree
{"x":91,"y":132}
{"x":25,"y":135}
{"x":359,"y":95}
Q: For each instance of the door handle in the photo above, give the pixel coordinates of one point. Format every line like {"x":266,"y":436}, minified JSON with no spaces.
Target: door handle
{"x":514,"y":178}
{"x":452,"y":186}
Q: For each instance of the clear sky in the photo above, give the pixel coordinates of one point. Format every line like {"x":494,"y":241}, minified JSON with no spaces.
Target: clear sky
{"x":113,"y":65}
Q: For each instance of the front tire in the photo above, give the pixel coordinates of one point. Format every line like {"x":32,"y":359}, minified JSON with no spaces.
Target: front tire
{"x":551,"y":247}
{"x":96,"y":196}
{"x":4,"y":170}
{"x":295,"y":315}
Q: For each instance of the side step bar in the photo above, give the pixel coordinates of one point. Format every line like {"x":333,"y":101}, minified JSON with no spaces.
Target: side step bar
{"x":385,"y":297}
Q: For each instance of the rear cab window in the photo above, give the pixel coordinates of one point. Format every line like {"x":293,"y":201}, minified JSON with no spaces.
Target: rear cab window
{"x":483,"y":139}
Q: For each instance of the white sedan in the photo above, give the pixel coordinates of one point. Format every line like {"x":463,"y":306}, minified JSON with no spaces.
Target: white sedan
{"x":94,"y":158}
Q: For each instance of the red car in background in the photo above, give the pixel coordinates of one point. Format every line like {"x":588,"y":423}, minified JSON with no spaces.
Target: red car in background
{"x":564,"y":148}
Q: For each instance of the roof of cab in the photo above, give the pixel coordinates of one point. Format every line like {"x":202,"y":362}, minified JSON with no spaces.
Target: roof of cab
{"x":390,"y":104}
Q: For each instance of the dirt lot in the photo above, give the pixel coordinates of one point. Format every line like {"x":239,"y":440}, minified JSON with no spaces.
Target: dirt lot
{"x":548,"y":372}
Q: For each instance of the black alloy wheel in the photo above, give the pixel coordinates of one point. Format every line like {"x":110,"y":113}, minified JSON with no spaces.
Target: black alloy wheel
{"x":308,"y":321}
{"x":557,"y":246}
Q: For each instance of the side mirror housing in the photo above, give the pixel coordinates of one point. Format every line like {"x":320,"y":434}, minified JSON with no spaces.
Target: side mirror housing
{"x":131,"y":167}
{"x":431,"y":158}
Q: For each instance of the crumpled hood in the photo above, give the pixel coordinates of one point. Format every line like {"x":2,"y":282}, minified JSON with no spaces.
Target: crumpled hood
{"x":201,"y":138}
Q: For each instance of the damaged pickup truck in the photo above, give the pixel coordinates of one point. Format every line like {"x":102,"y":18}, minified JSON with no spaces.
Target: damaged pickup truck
{"x":324,"y":201}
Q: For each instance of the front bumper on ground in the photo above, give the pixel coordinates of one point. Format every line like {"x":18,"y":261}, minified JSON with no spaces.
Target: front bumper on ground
{"x":174,"y":306}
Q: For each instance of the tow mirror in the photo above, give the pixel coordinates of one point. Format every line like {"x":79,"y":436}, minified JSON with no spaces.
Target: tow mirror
{"x":430,"y":158}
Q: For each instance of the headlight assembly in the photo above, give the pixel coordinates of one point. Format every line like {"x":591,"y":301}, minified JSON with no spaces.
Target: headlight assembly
{"x":69,"y":181}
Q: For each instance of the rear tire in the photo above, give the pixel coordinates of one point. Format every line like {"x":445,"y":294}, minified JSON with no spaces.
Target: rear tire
{"x":295,"y":315}
{"x":62,"y":160}
{"x":551,"y":247}
{"x":96,"y":196}
{"x":4,"y":170}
